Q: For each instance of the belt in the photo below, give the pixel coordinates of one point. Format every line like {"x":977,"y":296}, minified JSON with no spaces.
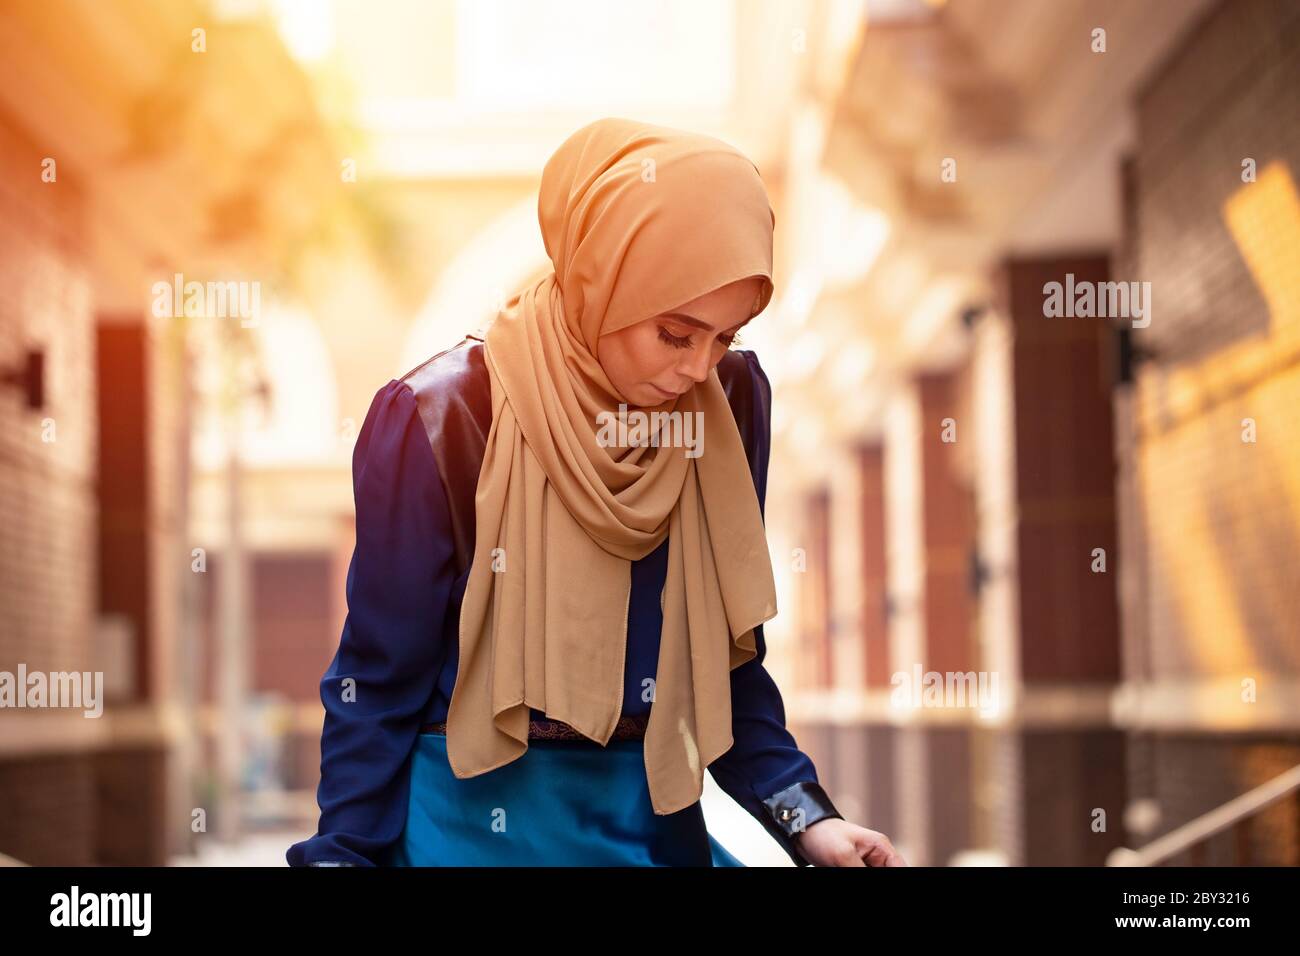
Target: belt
{"x":628,"y":728}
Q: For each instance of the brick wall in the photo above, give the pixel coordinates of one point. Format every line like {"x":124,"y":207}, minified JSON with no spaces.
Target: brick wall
{"x":46,"y":526}
{"x":1213,"y":577}
{"x":874,"y":580}
{"x":1230,"y":92}
{"x":947,"y":525}
{"x":1045,"y":479}
{"x":1222,"y":516}
{"x":47,"y":510}
{"x":815,"y":670}
{"x":103,"y":496}
{"x":47,"y":810}
{"x":1064,"y":479}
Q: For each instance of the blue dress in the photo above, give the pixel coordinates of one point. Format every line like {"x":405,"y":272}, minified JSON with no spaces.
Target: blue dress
{"x":387,"y":795}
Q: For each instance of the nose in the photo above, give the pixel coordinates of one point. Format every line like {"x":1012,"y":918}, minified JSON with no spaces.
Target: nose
{"x":696,"y":366}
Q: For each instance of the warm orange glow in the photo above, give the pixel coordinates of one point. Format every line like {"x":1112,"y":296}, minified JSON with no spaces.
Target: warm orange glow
{"x":1264,"y":219}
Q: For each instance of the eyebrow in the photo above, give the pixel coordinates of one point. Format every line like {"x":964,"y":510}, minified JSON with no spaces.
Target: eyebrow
{"x":701,"y":324}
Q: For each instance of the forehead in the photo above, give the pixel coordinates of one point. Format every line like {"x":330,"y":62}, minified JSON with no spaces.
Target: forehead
{"x":741,"y":295}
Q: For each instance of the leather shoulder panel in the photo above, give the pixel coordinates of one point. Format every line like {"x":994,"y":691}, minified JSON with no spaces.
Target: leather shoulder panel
{"x":454,"y":397}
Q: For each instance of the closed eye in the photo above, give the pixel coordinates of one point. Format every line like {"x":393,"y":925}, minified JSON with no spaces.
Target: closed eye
{"x":684,"y":341}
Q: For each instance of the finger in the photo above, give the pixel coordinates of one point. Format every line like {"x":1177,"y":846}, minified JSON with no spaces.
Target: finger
{"x":868,"y":848}
{"x":880,"y":853}
{"x":895,"y":858}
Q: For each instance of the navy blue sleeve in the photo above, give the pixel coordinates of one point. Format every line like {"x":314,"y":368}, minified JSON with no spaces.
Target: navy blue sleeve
{"x":764,"y":761}
{"x":384,"y":672}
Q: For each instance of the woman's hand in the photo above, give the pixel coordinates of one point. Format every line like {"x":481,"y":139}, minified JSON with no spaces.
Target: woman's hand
{"x":836,"y":842}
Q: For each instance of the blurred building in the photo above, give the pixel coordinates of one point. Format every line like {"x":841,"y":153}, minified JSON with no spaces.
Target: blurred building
{"x":1100,"y":513}
{"x":133,"y":149}
{"x":1095,"y":516}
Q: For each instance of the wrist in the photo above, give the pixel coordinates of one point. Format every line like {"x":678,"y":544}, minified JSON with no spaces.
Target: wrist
{"x":799,"y":806}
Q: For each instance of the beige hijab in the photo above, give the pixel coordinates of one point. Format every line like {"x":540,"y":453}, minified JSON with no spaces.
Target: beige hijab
{"x":637,"y":219}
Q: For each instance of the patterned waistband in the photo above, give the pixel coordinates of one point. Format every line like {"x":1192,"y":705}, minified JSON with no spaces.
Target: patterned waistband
{"x":628,"y":728}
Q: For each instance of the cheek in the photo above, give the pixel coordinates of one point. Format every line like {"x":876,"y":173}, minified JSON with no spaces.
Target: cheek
{"x":622,"y":357}
{"x":642,"y":356}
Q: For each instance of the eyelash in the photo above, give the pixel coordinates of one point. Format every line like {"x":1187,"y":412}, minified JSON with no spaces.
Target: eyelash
{"x":684,"y":341}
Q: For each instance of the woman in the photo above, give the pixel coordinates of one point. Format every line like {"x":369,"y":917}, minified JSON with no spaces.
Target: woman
{"x":554,"y":627}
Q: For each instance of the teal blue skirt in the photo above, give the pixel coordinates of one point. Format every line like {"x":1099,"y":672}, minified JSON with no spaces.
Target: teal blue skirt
{"x":563,"y":803}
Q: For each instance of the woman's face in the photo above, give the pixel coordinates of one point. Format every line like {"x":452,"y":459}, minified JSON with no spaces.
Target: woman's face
{"x":657,"y":359}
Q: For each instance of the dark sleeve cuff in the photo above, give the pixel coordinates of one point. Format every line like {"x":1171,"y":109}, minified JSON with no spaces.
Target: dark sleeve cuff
{"x":795,"y":809}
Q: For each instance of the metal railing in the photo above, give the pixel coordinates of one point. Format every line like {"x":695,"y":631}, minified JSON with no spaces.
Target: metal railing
{"x":1190,"y":840}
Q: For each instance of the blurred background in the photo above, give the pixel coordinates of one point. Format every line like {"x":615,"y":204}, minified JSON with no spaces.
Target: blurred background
{"x":1093,"y":520}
